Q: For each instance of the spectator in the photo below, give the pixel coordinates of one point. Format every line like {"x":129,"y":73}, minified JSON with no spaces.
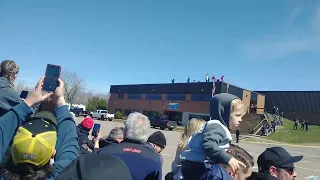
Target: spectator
{"x":132,"y":149}
{"x":46,"y":105}
{"x":307,"y":125}
{"x":263,"y":130}
{"x":45,"y":144}
{"x":226,"y":111}
{"x":188,"y":81}
{"x":302,"y":125}
{"x":237,"y":135}
{"x":214,"y":172}
{"x":83,"y":130}
{"x":94,"y":167}
{"x":192,"y":127}
{"x":157,"y":141}
{"x":115,"y":137}
{"x":295,"y":126}
{"x":207,"y":78}
{"x":277,"y":162}
{"x":8,"y":97}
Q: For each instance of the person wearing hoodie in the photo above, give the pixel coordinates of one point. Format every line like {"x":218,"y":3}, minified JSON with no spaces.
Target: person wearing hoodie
{"x":43,"y":145}
{"x":8,"y":97}
{"x":211,"y":142}
{"x":83,"y":130}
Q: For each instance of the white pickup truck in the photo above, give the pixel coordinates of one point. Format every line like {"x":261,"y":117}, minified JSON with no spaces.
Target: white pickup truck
{"x":102,"y":114}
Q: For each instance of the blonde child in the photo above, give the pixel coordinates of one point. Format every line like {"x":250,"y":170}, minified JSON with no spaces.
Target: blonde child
{"x":212,"y":141}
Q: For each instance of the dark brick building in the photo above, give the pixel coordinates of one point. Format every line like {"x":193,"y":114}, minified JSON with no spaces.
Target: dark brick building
{"x":180,"y":101}
{"x":295,"y":104}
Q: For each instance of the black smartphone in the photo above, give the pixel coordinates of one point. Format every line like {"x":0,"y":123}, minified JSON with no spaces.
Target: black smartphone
{"x":51,"y":78}
{"x":95,"y":130}
{"x":24,"y":94}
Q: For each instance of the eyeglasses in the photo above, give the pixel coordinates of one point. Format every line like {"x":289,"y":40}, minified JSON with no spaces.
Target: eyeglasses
{"x":289,"y":170}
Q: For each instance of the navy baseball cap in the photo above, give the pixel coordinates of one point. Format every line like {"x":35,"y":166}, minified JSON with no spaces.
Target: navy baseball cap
{"x":278,"y":157}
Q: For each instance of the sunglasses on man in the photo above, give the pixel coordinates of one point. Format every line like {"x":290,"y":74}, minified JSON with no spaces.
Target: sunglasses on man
{"x":289,"y":170}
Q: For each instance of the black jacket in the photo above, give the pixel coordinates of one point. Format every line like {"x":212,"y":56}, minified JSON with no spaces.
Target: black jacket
{"x":106,"y":142}
{"x":143,"y":162}
{"x":8,"y":97}
{"x":83,"y":135}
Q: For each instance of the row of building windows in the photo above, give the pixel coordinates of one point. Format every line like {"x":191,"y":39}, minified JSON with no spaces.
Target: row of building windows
{"x":171,"y":97}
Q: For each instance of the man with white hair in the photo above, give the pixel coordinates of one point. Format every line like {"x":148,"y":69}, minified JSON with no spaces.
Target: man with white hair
{"x":143,"y":162}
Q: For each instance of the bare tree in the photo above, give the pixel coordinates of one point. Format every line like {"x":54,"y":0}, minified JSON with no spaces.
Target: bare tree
{"x":73,"y":86}
{"x":20,"y":86}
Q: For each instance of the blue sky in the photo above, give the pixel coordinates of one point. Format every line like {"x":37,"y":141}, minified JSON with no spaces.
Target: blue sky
{"x":258,"y":45}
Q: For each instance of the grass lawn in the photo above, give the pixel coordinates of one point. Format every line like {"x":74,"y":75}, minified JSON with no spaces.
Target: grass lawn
{"x":288,"y":135}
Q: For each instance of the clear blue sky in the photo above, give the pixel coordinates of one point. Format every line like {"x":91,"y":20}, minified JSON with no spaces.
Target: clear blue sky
{"x":258,"y":45}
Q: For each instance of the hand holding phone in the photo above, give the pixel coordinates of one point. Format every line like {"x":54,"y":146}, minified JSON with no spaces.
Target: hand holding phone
{"x":51,"y":78}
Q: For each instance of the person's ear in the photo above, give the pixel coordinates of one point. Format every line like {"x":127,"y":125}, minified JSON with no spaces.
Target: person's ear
{"x":232,"y":174}
{"x":273,"y":171}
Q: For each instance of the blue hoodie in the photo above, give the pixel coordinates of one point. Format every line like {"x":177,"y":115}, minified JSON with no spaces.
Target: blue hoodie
{"x":213,"y":139}
{"x":8,"y":97}
{"x":67,"y":148}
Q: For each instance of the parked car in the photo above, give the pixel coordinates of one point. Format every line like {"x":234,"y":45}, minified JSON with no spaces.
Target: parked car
{"x":102,"y":115}
{"x":76,"y":111}
{"x":157,"y":121}
{"x":84,"y":113}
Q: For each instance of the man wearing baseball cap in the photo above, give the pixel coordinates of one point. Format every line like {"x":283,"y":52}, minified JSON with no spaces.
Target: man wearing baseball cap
{"x":42,"y":145}
{"x":278,"y":163}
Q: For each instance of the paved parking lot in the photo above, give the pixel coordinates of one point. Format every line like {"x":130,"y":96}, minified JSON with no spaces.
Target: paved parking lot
{"x":309,"y":166}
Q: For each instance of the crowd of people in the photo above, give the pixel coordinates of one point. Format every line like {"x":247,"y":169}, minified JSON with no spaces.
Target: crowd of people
{"x":46,"y":143}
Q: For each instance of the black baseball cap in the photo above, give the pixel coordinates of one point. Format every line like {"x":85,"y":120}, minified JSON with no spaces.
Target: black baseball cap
{"x":96,"y":166}
{"x":278,"y":157}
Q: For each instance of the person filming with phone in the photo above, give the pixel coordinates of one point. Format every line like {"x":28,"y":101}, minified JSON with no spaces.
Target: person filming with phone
{"x":42,"y":145}
{"x":8,"y":97}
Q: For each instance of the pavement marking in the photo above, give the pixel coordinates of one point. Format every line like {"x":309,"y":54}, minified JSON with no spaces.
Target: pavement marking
{"x":308,"y":169}
{"x":255,"y":167}
{"x":168,"y":155}
{"x":292,"y":145}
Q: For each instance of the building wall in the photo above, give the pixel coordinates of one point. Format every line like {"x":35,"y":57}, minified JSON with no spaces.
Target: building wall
{"x":260,"y":104}
{"x":246,"y":97}
{"x":156,"y":105}
{"x":295,"y":104}
{"x":195,"y":97}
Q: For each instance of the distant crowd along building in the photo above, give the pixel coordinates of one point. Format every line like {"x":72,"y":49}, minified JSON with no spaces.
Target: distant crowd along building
{"x":179,"y":101}
{"x":304,"y":105}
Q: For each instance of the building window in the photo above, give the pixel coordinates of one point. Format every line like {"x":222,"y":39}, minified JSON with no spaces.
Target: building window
{"x":176,"y":97}
{"x":151,"y":113}
{"x":154,"y":96}
{"x":134,"y":96}
{"x":206,"y":118}
{"x":120,"y":96}
{"x":201,"y":97}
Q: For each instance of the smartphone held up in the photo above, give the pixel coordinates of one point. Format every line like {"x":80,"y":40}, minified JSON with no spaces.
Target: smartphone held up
{"x":24,"y":94}
{"x":51,"y":78}
{"x":96,"y":130}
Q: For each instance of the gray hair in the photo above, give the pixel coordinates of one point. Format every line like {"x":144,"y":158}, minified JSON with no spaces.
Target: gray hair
{"x":115,"y":133}
{"x":137,"y":127}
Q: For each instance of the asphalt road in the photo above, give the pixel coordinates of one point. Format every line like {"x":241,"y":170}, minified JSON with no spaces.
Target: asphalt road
{"x":309,"y":166}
